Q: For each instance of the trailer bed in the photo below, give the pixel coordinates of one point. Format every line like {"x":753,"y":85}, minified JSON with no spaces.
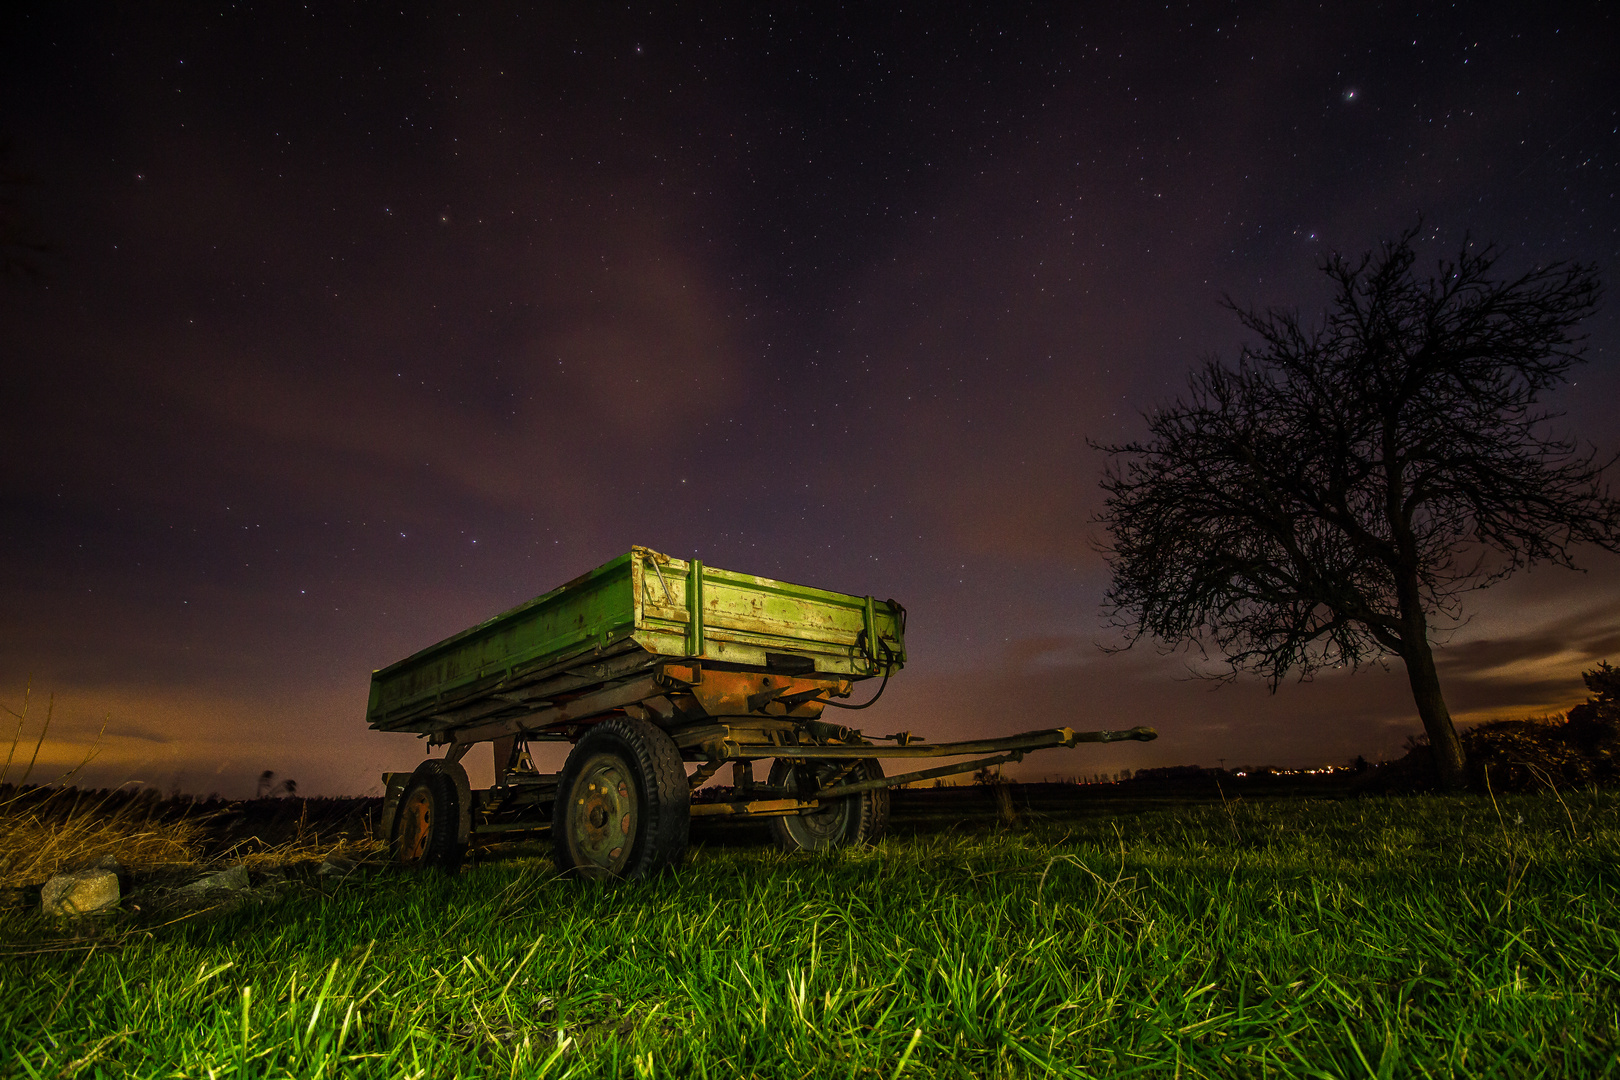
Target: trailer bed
{"x":618,"y":621}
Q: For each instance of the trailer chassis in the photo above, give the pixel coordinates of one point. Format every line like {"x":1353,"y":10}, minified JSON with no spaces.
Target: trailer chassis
{"x":713,"y":717}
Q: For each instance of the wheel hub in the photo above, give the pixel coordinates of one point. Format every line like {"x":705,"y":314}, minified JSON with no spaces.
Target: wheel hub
{"x":830,"y":822}
{"x":605,"y":812}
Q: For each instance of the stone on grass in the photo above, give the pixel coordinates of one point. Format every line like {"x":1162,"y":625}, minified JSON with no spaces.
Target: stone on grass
{"x":233,"y":880}
{"x":81,"y":892}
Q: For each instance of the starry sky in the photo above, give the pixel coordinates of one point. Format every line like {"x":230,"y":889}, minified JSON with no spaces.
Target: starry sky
{"x":357,"y":326}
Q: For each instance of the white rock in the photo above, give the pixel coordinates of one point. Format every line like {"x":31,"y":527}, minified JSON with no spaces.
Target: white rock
{"x":231,"y":880}
{"x":80,"y":892}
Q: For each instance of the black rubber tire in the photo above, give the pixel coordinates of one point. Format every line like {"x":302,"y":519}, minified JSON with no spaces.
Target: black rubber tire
{"x":856,"y":819}
{"x":427,"y":821}
{"x":650,"y":802}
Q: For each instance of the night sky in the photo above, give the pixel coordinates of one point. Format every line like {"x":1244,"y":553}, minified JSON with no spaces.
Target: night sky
{"x":358,"y":327}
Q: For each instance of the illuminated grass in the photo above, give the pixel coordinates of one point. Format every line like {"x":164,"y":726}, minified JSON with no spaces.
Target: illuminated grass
{"x":1372,"y":938}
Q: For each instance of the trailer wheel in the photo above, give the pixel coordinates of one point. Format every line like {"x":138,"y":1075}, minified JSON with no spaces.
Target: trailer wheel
{"x":427,"y":825}
{"x":855,"y":819}
{"x":623,"y":805}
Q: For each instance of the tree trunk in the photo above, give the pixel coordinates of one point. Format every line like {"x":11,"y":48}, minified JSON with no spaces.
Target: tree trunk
{"x":1431,"y":705}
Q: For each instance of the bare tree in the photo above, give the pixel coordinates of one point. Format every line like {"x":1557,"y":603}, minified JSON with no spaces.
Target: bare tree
{"x":1318,"y":503}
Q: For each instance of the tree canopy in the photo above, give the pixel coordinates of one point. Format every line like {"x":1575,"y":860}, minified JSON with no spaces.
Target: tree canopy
{"x":1321,"y":500}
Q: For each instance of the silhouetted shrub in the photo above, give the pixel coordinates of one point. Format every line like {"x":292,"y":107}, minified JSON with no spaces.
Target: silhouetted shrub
{"x":1526,"y":755}
{"x":1577,"y":750}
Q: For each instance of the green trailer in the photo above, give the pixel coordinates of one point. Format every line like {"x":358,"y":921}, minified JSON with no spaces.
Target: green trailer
{"x":648,"y":665}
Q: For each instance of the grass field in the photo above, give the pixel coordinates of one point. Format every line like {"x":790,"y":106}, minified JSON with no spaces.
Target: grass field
{"x":1381,"y":937}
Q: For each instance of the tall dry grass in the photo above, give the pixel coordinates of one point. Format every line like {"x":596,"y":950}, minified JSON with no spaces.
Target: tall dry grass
{"x":43,"y":837}
{"x":50,"y":828}
{"x":305,"y":845}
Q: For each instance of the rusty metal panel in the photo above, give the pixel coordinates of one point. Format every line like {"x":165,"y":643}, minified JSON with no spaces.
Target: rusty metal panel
{"x":756,"y":693}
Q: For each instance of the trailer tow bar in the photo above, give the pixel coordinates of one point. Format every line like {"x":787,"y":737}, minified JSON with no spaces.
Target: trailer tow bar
{"x":1014,"y":748}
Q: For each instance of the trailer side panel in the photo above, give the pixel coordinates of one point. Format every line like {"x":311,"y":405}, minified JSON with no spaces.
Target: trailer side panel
{"x":583,"y":616}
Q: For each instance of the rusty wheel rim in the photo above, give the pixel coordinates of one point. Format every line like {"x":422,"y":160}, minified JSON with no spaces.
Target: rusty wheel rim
{"x":603,"y":819}
{"x":415,"y":826}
